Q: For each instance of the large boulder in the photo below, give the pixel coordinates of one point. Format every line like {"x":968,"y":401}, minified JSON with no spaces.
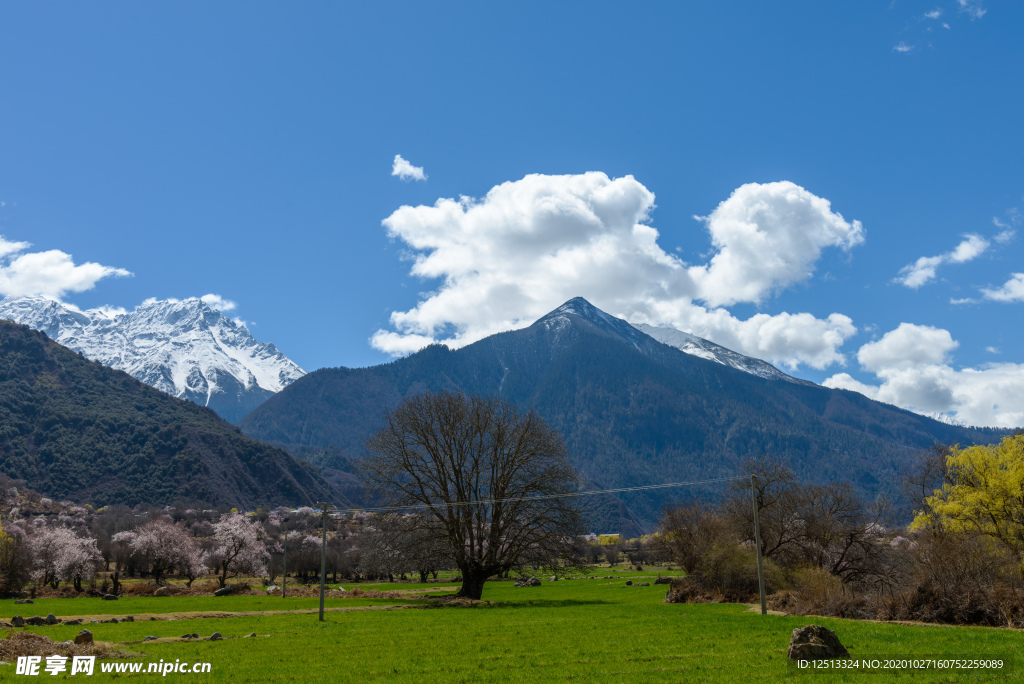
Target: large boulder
{"x":815,"y":642}
{"x":23,"y":601}
{"x":160,"y":591}
{"x":18,"y":621}
{"x":36,"y":621}
{"x":51,"y":619}
{"x":273,"y":590}
{"x":84,"y":637}
{"x":224,"y":591}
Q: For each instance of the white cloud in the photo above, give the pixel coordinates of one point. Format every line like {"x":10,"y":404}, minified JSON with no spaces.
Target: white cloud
{"x":934,"y":14}
{"x":1005,"y":237}
{"x":218,"y":303}
{"x":1011,"y":291}
{"x":902,"y":47}
{"x":915,"y":372}
{"x":906,"y":346}
{"x":993,"y":350}
{"x":923,"y":270}
{"x":768,"y":236}
{"x":530,"y":245}
{"x":972,"y":8}
{"x":51,"y":274}
{"x":406,"y":171}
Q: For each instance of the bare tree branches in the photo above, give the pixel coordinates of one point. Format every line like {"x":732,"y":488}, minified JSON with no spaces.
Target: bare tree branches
{"x":475,"y":466}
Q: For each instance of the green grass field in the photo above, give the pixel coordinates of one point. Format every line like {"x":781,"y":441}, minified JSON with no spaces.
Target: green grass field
{"x":591,"y":631}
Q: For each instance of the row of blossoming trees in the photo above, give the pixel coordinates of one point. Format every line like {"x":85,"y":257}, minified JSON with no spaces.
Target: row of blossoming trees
{"x":47,"y":544}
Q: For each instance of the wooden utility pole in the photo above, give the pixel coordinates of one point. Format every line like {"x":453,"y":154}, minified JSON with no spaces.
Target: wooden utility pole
{"x":757,"y":543}
{"x":323,"y":557}
{"x":284,"y":561}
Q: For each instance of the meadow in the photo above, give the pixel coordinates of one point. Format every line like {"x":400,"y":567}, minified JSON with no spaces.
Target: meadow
{"x":592,"y":630}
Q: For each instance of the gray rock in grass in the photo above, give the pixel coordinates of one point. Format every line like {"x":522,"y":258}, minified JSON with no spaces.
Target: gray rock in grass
{"x":815,"y":642}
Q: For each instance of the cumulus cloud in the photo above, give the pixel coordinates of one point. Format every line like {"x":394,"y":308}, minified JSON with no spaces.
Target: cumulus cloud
{"x":768,"y":236}
{"x":923,"y":270}
{"x":530,"y":245}
{"x":1011,"y":291}
{"x":915,"y":371}
{"x":50,"y":274}
{"x":406,"y":171}
{"x":906,"y":346}
{"x":934,"y":14}
{"x":218,"y":303}
{"x":902,"y":47}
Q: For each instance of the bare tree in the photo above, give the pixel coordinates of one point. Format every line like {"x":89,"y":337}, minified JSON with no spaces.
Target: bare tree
{"x":485,"y":477}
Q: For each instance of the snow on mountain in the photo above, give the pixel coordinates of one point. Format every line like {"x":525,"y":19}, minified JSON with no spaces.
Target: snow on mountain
{"x":583,"y":309}
{"x":185,"y":348}
{"x":705,"y":349}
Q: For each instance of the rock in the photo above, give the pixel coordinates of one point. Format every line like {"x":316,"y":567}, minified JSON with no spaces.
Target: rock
{"x":150,"y":638}
{"x":130,"y":618}
{"x":629,"y":583}
{"x":224,"y":591}
{"x":663,"y":580}
{"x":815,"y":642}
{"x":195,"y":635}
{"x":51,"y":619}
{"x":216,"y":636}
{"x":644,"y":584}
{"x":553,"y":578}
{"x":18,"y":621}
{"x":186,"y":636}
{"x":36,"y":620}
{"x":74,"y":622}
{"x":84,"y":637}
{"x":527,"y":582}
{"x":110,"y":621}
{"x":109,"y":597}
{"x":639,"y":568}
{"x":251,"y":634}
{"x":94,"y":622}
{"x":20,"y":602}
{"x":160,"y":591}
{"x":273,"y":589}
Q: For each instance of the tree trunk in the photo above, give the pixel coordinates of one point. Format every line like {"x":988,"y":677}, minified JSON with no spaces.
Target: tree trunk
{"x":472,"y":585}
{"x":423,"y":576}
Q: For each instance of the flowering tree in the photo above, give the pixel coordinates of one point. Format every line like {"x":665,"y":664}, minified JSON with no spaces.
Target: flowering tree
{"x":239,"y":549}
{"x":163,"y":547}
{"x":62,"y":556}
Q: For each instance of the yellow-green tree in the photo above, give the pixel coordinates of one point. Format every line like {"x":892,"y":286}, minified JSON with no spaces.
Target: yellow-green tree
{"x":984,"y":493}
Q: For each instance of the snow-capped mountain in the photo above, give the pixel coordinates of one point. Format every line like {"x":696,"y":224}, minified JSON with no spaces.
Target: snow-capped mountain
{"x":705,"y":349}
{"x":185,"y":348}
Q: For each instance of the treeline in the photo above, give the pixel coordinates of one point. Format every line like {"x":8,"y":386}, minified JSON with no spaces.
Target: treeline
{"x":827,"y":551}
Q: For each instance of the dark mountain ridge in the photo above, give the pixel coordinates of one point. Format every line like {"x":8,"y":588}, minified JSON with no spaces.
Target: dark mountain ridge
{"x":633,"y":411}
{"x":74,"y":428}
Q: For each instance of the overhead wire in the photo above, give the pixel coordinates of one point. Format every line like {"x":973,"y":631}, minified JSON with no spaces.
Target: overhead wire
{"x":562,"y":495}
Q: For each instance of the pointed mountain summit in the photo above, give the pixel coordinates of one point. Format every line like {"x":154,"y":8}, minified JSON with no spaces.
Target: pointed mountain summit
{"x":633,"y":411}
{"x":185,"y":348}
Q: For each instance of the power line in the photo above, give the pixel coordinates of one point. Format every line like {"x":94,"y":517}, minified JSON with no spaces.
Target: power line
{"x":592,"y":492}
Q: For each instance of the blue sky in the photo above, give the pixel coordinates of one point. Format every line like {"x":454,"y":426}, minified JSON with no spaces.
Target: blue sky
{"x":246,"y":150}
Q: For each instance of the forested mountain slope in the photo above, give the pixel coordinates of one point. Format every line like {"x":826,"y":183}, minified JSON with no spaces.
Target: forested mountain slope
{"x":74,"y":428}
{"x":633,"y":411}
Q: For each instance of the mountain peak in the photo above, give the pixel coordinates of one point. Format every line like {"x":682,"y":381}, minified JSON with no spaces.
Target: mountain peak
{"x":184,"y":347}
{"x":578,"y":308}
